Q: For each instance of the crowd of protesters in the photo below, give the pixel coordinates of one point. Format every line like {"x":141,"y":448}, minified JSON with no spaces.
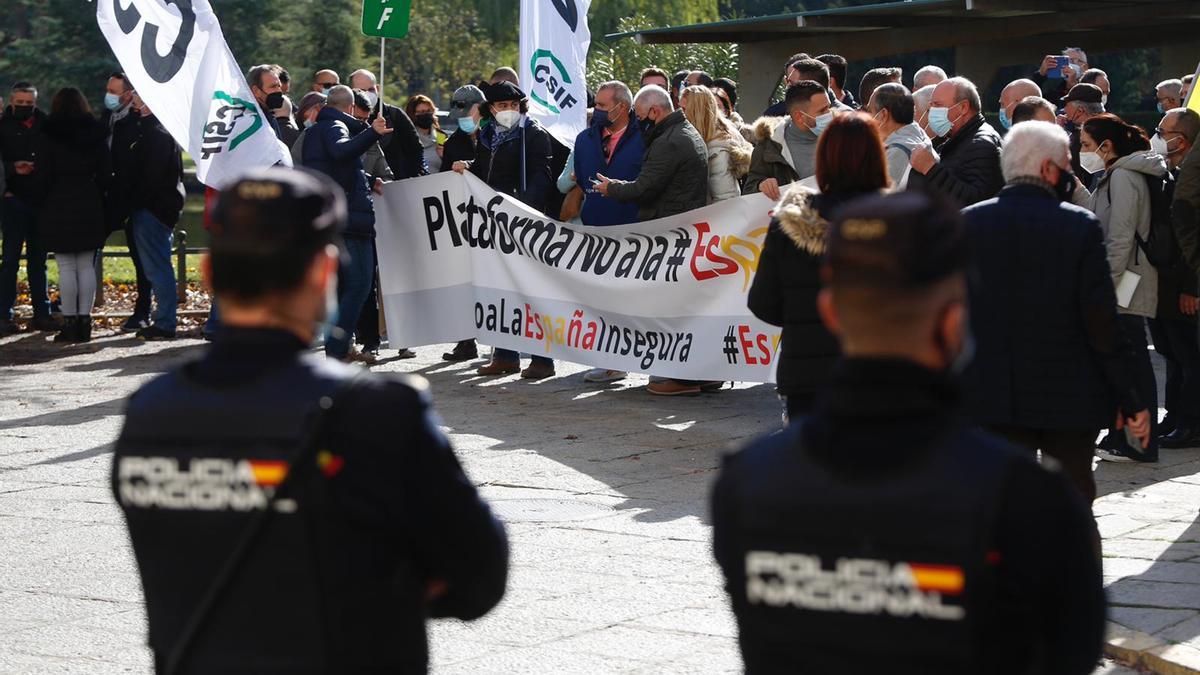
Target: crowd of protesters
{"x":1062,"y":185}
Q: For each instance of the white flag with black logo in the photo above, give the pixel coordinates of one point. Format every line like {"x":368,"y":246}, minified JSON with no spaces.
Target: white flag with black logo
{"x":174,"y":54}
{"x":554,"y":46}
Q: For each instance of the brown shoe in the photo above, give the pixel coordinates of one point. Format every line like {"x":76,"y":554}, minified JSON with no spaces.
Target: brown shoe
{"x":672,"y":388}
{"x":463,"y":351}
{"x":712,"y":386}
{"x":494,"y":367}
{"x":537,"y":371}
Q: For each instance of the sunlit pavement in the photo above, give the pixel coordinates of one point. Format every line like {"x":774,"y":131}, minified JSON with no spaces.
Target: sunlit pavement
{"x":603,"y":487}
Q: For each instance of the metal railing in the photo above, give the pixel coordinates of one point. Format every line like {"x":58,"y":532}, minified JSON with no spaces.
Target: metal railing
{"x":179,"y":250}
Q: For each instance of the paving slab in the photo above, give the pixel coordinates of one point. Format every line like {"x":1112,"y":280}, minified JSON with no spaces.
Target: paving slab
{"x":604,"y":490}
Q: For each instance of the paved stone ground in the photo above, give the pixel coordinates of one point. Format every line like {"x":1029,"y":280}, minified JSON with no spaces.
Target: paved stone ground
{"x":604,"y":490}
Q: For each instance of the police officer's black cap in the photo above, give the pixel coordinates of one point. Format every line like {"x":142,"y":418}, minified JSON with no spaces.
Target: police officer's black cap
{"x":503,"y":91}
{"x":277,"y":209}
{"x":904,"y":240}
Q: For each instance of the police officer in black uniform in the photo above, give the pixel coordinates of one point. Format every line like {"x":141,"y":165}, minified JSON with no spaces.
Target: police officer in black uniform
{"x":882,"y":534}
{"x":291,"y":514}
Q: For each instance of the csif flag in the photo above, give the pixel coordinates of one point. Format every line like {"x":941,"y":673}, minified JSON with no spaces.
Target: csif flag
{"x":554,"y":46}
{"x":175,"y":56}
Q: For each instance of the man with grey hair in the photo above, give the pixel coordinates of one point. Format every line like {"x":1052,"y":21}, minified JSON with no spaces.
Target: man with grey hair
{"x":1012,"y":94}
{"x":1169,"y":94}
{"x":921,"y":99}
{"x":968,"y":168}
{"x":268,"y":92}
{"x":928,"y":76}
{"x":674,"y":171}
{"x":613,"y":145}
{"x":1056,"y":78}
{"x":402,"y":149}
{"x":892,"y":107}
{"x":1100,"y":79}
{"x":1050,"y":355}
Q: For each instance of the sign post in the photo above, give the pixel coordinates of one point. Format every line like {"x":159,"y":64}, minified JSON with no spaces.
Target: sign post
{"x":385,"y":19}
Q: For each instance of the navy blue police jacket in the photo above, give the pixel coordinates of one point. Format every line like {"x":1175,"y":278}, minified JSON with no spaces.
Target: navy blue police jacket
{"x":882,"y":534}
{"x":378,"y":529}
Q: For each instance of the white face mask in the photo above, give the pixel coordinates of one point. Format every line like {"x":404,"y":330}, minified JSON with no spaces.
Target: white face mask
{"x":508,"y":118}
{"x":372,"y":99}
{"x":1091,"y":162}
{"x":1104,"y":100}
{"x":1160,"y":145}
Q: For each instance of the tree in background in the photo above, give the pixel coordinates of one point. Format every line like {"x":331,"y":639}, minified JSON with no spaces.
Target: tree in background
{"x":624,"y":59}
{"x":53,"y":44}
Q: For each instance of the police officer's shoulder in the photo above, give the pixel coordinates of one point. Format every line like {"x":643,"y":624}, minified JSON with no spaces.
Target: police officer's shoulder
{"x":762,"y":453}
{"x":1018,"y":459}
{"x":395,"y":388}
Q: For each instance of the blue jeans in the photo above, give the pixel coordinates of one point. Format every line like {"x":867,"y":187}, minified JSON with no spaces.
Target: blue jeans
{"x":509,"y":356}
{"x":154,"y":248}
{"x":354,"y":284}
{"x":18,"y":225}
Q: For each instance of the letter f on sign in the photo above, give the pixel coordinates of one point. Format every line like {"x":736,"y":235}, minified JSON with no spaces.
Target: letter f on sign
{"x":387,"y":12}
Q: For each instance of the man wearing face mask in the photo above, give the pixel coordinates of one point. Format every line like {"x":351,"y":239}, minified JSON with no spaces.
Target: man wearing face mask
{"x":123,"y":130}
{"x":674,"y":173}
{"x":1174,"y":324}
{"x":612,"y":146}
{"x":1081,"y":104}
{"x":785,"y":150}
{"x":883,"y":533}
{"x":268,"y":92}
{"x":968,"y":169}
{"x":21,"y":136}
{"x":324,"y":80}
{"x":1052,"y":366}
{"x":1012,"y":94}
{"x":316,"y":515}
{"x":402,"y":148}
{"x":1169,"y":94}
{"x":892,"y":107}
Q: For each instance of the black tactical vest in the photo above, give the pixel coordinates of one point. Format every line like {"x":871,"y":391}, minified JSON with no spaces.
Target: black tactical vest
{"x":887,"y":575}
{"x":191,"y":468}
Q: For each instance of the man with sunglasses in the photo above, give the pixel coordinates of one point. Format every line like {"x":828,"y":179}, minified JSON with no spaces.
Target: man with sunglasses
{"x":324,"y":80}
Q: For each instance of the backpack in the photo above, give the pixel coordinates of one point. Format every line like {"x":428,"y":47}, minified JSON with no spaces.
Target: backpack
{"x":1160,"y":246}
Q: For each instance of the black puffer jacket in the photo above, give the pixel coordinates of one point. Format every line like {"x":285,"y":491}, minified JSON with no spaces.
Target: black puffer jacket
{"x":784,"y":292}
{"x":74,"y":170}
{"x":969,"y":170}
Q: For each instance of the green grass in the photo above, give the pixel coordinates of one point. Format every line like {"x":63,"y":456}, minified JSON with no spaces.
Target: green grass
{"x":119,"y":270}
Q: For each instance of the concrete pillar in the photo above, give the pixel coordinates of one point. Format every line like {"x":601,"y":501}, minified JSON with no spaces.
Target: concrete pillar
{"x":978,"y":63}
{"x":760,"y":67}
{"x":1179,"y":60}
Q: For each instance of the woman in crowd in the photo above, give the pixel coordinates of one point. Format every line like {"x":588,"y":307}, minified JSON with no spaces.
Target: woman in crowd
{"x":513,"y":156}
{"x":728,"y":153}
{"x":850,"y":163}
{"x":75,"y":169}
{"x":460,"y":146}
{"x":310,"y":106}
{"x":1122,"y":203}
{"x":423,"y":113}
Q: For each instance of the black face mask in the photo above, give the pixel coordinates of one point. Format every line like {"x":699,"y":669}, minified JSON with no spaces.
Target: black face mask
{"x":1065,"y":187}
{"x":22,"y":112}
{"x":646,"y":124}
{"x":275,"y":101}
{"x":424,"y":120}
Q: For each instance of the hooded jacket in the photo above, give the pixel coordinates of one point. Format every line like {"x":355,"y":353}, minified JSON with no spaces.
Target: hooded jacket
{"x":785,"y":287}
{"x":772,"y":158}
{"x":1121,"y":201}
{"x":73,"y":171}
{"x":674,"y":176}
{"x":728,"y":163}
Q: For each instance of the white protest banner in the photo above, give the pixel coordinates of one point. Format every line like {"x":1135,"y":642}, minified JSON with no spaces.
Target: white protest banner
{"x":554,"y":45}
{"x":175,"y":56}
{"x":665,"y":297}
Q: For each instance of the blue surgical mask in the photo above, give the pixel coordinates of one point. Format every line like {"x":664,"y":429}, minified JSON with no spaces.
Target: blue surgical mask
{"x":939,"y":121}
{"x":821,"y":123}
{"x":600,"y":118}
{"x":468,"y":125}
{"x":1004,"y":121}
{"x":112,"y":102}
{"x":308,"y":124}
{"x":1162,"y":110}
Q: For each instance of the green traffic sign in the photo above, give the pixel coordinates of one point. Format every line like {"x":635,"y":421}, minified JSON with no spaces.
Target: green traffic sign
{"x":386,"y":18}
